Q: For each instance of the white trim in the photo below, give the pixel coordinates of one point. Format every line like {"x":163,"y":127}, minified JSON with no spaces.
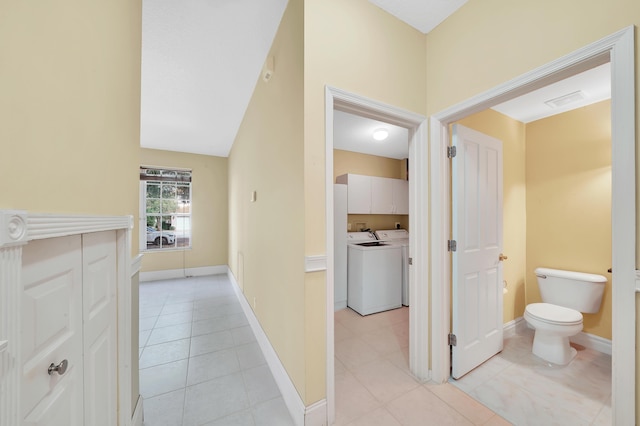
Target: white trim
{"x":418,"y":222}
{"x":619,"y":49}
{"x":136,"y":264}
{"x":592,"y":341}
{"x":17,"y":228}
{"x":316,"y":414}
{"x":138,"y":413}
{"x":514,"y":327}
{"x":169,"y":274}
{"x":287,"y":389}
{"x":315,"y":263}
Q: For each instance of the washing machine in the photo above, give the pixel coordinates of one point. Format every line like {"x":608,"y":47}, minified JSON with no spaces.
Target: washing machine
{"x":374,"y":274}
{"x":399,"y":237}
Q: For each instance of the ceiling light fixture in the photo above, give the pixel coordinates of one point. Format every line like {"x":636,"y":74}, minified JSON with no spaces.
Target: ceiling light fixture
{"x":380,"y":134}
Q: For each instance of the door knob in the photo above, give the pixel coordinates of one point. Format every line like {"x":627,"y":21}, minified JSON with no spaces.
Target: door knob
{"x":60,"y":368}
{"x":502,"y":257}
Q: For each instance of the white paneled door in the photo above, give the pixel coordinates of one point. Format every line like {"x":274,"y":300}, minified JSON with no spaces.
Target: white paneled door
{"x":69,"y":320}
{"x":100,"y":322}
{"x":477,"y":322}
{"x":52,"y":332}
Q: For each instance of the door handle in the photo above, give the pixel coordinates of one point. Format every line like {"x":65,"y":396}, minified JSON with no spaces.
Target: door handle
{"x":60,"y":368}
{"x":502,"y":257}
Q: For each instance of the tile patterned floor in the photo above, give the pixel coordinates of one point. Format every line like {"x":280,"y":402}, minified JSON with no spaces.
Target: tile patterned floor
{"x":526,"y":390}
{"x":374,"y":385}
{"x":200,"y":363}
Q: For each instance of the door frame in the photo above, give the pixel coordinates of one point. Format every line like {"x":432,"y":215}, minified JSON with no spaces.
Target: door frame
{"x":619,"y":49}
{"x":419,"y":315}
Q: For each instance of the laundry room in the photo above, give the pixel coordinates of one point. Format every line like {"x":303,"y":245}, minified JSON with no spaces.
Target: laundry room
{"x":371,"y":245}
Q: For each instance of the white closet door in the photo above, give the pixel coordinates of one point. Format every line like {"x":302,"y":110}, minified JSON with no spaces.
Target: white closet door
{"x":52,"y":332}
{"x":100,"y":321}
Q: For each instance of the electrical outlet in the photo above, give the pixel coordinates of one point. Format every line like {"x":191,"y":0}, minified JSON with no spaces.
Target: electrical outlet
{"x":348,"y":227}
{"x":397,"y":225}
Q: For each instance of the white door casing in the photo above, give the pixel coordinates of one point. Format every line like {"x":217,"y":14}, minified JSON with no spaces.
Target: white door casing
{"x":477,"y":229}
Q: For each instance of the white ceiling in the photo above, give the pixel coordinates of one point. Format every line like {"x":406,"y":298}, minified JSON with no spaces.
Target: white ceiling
{"x":201,"y":60}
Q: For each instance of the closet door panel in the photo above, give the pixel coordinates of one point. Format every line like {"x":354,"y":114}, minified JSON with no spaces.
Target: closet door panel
{"x":52,"y":331}
{"x":100,"y":320}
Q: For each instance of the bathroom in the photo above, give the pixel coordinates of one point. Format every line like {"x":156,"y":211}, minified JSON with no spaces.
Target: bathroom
{"x":556,"y":209}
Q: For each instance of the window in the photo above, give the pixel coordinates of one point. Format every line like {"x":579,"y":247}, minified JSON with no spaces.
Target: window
{"x":165,"y":209}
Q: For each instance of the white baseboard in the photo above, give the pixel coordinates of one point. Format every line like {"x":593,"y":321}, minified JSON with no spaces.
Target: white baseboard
{"x":316,"y":414}
{"x":138,"y":413}
{"x":182,"y":273}
{"x":590,"y":341}
{"x":289,"y":393}
{"x":512,"y":328}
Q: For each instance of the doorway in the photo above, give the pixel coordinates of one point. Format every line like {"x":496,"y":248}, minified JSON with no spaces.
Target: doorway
{"x":619,"y":50}
{"x":419,"y":312}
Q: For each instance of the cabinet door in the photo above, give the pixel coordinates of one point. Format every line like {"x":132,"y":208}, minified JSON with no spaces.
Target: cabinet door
{"x":401,"y":196}
{"x":52,"y":332}
{"x":359,"y":194}
{"x":100,"y":321}
{"x":382,"y":195}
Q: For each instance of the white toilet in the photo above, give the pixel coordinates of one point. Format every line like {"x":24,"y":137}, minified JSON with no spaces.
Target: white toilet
{"x":564,"y":295}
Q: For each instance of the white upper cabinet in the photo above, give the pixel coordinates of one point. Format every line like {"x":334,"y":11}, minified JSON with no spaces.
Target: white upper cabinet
{"x":375,"y":195}
{"x":401,"y":196}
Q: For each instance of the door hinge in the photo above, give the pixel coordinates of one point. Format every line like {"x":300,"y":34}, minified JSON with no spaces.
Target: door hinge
{"x":451,"y":151}
{"x":411,"y":261}
{"x":453,"y":340}
{"x":452,"y":245}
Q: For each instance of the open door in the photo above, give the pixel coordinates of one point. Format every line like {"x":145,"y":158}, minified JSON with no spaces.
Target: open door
{"x":477,"y":323}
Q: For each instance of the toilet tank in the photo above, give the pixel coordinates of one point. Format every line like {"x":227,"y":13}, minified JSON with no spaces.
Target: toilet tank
{"x":575,"y":290}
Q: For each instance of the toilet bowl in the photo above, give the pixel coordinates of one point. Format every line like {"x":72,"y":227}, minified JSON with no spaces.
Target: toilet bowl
{"x":554,"y":325}
{"x":565,"y":294}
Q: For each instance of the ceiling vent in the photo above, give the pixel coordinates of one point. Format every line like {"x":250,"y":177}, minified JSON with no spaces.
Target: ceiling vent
{"x":565,"y":100}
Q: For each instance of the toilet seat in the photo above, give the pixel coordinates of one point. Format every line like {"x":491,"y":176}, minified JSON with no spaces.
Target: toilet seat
{"x":553,"y":314}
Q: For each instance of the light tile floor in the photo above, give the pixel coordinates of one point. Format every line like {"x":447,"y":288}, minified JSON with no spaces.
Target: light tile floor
{"x":200,"y":363}
{"x":374,"y":385}
{"x":526,"y":390}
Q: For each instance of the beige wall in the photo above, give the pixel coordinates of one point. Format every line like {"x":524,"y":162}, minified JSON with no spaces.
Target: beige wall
{"x":70,"y":109}
{"x":70,"y":106}
{"x":355,"y":46}
{"x":512,"y":135}
{"x":210,"y":210}
{"x":266,"y":237}
{"x":370,"y":165}
{"x":569,"y":200}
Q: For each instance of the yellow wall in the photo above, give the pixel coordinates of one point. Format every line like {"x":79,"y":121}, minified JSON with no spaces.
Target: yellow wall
{"x":569,"y":200}
{"x":355,"y":46}
{"x":266,"y":237}
{"x":370,"y":165}
{"x":70,"y":106}
{"x":209,"y":215}
{"x":512,"y":134}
